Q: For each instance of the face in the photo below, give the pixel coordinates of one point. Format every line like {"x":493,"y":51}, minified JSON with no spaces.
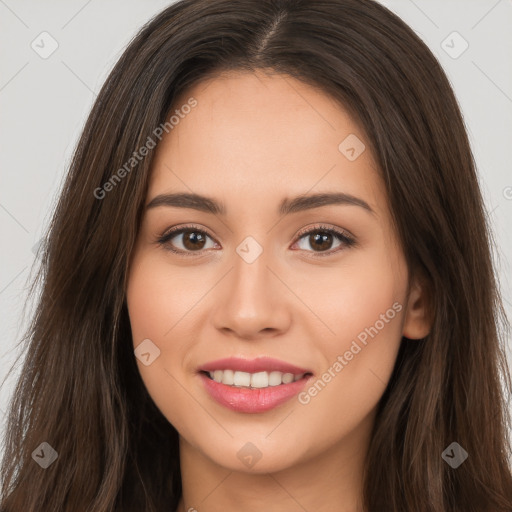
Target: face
{"x":253,"y":280}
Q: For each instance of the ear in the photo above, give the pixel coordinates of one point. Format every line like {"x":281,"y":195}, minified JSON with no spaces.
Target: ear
{"x":418,"y":318}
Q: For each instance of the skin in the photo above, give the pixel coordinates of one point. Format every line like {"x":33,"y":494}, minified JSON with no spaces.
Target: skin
{"x":252,"y":140}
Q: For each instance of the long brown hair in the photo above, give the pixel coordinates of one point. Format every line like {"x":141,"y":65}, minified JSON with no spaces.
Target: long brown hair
{"x":80,"y":390}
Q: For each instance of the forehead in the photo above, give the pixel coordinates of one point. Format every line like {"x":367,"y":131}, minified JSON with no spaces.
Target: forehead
{"x":252,"y":136}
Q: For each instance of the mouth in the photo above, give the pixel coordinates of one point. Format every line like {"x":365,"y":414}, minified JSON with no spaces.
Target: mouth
{"x":252,"y":385}
{"x":257,"y":380}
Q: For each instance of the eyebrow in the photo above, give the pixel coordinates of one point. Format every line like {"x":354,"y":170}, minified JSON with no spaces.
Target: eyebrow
{"x":286,"y":207}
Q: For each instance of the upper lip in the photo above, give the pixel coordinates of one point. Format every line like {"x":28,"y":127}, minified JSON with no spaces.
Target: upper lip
{"x":260,"y":364}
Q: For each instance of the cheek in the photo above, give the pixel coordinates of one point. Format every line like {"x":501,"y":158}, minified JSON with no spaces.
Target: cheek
{"x":156,"y":305}
{"x":156,"y":299}
{"x":353,"y":296}
{"x":363,"y":306}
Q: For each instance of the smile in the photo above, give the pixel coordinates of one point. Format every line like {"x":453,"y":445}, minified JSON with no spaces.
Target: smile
{"x":252,"y":385}
{"x":253,"y":380}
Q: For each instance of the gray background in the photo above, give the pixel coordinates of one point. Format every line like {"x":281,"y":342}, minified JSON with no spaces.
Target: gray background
{"x":44,"y":103}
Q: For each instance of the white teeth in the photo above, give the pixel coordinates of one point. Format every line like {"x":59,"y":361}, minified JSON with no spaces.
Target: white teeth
{"x":259,"y":380}
{"x":228,"y":377}
{"x":242,"y":379}
{"x":287,"y":378}
{"x":253,"y":380}
{"x":275,"y":378}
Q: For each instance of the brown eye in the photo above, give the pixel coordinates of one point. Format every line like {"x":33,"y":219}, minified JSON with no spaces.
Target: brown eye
{"x":321,"y":242}
{"x":321,"y":239}
{"x":193,"y":240}
{"x":185,"y":240}
{"x":188,"y":240}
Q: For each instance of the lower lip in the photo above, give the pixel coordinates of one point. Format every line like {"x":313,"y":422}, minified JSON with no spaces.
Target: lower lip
{"x":252,"y":400}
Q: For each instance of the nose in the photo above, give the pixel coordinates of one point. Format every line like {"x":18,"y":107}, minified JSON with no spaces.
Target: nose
{"x":252,"y":301}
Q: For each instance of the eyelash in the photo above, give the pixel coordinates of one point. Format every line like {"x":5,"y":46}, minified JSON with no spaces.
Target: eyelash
{"x":341,"y":235}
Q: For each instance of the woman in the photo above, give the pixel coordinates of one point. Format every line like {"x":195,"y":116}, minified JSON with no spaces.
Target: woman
{"x":334,"y":344}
